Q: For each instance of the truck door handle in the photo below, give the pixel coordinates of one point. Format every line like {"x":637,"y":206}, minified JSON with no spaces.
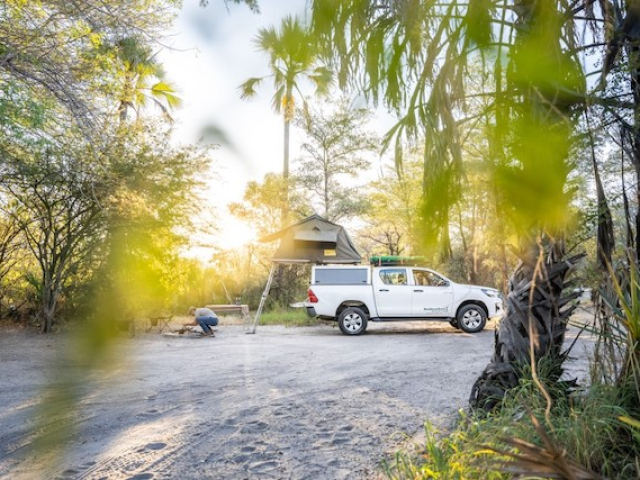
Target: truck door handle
{"x":383,"y":290}
{"x":418,"y":290}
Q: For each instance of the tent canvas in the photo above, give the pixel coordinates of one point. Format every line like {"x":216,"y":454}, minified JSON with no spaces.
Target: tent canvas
{"x":314,"y":240}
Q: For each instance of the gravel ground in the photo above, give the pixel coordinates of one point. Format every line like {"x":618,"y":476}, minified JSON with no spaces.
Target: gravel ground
{"x":284,"y":403}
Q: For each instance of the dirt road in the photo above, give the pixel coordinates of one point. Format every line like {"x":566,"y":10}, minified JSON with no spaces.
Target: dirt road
{"x":285,"y":403}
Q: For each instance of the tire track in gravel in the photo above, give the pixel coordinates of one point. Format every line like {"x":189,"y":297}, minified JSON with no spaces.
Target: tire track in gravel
{"x":254,"y":428}
{"x":266,"y":450}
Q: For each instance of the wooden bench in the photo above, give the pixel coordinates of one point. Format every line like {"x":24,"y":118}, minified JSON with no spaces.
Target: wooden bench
{"x":230,"y":308}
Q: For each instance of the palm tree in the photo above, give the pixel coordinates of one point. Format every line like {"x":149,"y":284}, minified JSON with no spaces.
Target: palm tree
{"x":142,"y":79}
{"x":293,"y":57}
{"x":416,"y":57}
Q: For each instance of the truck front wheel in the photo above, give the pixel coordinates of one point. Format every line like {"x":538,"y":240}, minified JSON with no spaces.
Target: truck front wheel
{"x":352,"y":321}
{"x":471,"y":318}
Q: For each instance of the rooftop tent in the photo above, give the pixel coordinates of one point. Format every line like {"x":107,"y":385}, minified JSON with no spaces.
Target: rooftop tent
{"x":314,"y":240}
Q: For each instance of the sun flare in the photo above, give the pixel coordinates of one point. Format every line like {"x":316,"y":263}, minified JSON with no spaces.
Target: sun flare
{"x":234,"y":234}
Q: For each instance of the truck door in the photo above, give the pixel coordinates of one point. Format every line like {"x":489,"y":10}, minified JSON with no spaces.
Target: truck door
{"x":432,"y":295}
{"x":393,"y":292}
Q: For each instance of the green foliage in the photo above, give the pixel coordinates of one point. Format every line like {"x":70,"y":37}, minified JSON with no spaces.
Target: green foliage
{"x":263,"y":202}
{"x":335,"y":152}
{"x":47,"y":199}
{"x":391,"y":221}
{"x":141,"y":77}
{"x":149,"y":202}
{"x":70,"y":33}
{"x":442,"y":68}
{"x":74,"y":202}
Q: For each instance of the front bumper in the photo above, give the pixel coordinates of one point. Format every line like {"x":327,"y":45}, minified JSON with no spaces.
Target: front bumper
{"x":496,"y":310}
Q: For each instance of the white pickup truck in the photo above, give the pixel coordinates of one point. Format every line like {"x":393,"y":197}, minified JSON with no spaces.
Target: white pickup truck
{"x":353,"y":295}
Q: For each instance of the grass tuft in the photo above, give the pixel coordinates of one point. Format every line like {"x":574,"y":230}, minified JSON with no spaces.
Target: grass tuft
{"x":296,"y":317}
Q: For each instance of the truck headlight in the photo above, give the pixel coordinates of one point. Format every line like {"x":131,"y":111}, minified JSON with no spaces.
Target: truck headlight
{"x":489,"y":292}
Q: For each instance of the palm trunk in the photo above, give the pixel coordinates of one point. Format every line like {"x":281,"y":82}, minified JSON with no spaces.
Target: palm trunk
{"x":285,"y":163}
{"x":534,"y":325}
{"x":288,"y":116}
{"x":285,"y":175}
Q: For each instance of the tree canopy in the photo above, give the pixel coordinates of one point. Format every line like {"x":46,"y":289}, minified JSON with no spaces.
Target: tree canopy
{"x":337,"y":147}
{"x":72,"y":176}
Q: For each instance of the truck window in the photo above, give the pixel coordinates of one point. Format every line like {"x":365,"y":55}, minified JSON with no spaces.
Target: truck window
{"x":422,"y":277}
{"x":393,"y":276}
{"x":341,"y":276}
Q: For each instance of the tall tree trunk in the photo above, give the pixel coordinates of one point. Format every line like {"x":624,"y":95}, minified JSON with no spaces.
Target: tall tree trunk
{"x":630,"y":239}
{"x":49,"y":302}
{"x":633,"y":53}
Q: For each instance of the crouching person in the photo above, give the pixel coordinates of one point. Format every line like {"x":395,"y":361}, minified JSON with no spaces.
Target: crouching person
{"x":205,"y":318}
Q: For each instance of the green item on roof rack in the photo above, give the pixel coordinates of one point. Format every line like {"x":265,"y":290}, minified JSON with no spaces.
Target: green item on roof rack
{"x":392,"y":260}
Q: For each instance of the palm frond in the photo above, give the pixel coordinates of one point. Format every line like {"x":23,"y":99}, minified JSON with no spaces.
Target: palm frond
{"x":167,"y":92}
{"x":322,"y":77}
{"x":276,"y":102}
{"x":248,"y":87}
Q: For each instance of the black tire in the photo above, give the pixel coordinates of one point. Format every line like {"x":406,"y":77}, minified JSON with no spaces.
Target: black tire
{"x":352,"y":321}
{"x":471,"y":318}
{"x":454,"y":323}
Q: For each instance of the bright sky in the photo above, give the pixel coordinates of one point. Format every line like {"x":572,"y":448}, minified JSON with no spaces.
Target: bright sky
{"x":213,"y":53}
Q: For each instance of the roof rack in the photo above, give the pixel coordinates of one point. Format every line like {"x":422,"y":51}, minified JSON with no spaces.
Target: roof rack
{"x":395,"y":260}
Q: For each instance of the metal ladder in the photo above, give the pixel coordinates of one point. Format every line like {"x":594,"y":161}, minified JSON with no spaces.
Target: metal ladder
{"x":251,"y":328}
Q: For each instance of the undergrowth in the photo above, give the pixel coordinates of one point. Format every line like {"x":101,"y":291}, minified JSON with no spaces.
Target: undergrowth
{"x":586,"y":426}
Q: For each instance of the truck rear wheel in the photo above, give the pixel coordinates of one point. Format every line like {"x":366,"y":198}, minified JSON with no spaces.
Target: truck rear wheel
{"x":471,"y":318}
{"x":352,"y":321}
